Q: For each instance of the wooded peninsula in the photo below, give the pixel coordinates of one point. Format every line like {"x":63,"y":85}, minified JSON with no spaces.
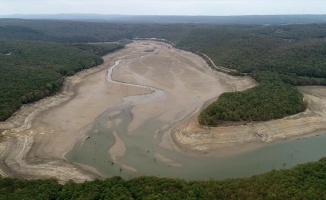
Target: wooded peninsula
{"x":289,"y":54}
{"x":36,"y":56}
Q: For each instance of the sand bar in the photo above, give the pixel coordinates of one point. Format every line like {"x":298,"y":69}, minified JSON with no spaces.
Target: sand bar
{"x":37,"y":139}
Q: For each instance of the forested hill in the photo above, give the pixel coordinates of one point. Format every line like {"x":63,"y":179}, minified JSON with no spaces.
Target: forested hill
{"x":267,"y":101}
{"x":307,"y":181}
{"x":296,"y":53}
{"x":35,"y":56}
{"x":293,"y":54}
{"x":246,"y":19}
{"x":31,"y":70}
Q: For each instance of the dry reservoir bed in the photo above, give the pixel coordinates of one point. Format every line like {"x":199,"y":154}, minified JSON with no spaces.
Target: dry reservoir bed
{"x":139,"y":118}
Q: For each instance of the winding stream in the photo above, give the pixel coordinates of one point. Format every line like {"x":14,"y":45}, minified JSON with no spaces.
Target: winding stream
{"x":136,"y":99}
{"x":141,"y":154}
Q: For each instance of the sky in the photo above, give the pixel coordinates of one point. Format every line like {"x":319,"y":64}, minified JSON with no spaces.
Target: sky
{"x":164,"y":7}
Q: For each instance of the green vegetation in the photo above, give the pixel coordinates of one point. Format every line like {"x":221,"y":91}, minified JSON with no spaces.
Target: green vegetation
{"x":293,"y":54}
{"x":31,"y":70}
{"x":279,"y":57}
{"x":265,"y":102}
{"x":295,"y":60}
{"x":307,"y":181}
{"x":295,"y":51}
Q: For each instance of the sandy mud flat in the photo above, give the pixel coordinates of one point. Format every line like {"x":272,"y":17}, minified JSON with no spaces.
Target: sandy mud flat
{"x":36,"y":139}
{"x":193,"y":137}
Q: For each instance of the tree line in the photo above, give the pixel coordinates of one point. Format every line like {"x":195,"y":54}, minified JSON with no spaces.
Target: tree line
{"x":36,"y":55}
{"x":306,"y":181}
{"x":264,"y":102}
{"x":31,"y":70}
{"x":293,"y":54}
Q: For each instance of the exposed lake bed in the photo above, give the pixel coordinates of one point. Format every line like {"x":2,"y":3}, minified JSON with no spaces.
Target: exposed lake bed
{"x":129,"y":126}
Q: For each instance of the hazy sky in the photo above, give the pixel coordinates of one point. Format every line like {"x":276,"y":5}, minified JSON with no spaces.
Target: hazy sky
{"x":164,"y":7}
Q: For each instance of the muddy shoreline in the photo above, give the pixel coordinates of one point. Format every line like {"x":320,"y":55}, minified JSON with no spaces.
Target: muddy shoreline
{"x":34,"y":146}
{"x":17,"y":136}
{"x":229,"y":140}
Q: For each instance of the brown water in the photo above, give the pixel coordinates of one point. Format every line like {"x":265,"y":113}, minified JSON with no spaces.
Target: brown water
{"x":142,"y":145}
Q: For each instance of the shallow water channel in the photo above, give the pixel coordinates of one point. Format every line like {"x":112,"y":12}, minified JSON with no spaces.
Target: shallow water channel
{"x":142,"y":147}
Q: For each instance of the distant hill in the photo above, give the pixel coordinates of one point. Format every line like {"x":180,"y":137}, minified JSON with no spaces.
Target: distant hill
{"x":290,"y":53}
{"x":247,"y":19}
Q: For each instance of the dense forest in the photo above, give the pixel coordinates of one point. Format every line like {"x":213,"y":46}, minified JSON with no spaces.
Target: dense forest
{"x":306,"y":181}
{"x":266,"y":101}
{"x":36,"y":55}
{"x":31,"y":70}
{"x":294,"y":54}
{"x":166,"y":19}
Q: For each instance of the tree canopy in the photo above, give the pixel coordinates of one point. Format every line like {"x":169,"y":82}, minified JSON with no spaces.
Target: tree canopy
{"x":265,"y":102}
{"x":31,"y":70}
{"x":306,"y":181}
{"x":293,"y":54}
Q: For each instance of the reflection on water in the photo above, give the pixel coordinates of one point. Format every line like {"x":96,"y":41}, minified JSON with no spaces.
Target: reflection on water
{"x":142,"y":149}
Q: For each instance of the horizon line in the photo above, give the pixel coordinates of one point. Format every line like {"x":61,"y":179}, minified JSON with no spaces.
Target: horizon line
{"x":100,"y":14}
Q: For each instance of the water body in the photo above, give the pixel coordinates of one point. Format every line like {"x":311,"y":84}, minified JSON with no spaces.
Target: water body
{"x":142,"y":148}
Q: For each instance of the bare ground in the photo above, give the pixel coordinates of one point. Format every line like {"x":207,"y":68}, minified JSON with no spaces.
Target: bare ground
{"x":39,"y":134}
{"x":195,"y":138}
